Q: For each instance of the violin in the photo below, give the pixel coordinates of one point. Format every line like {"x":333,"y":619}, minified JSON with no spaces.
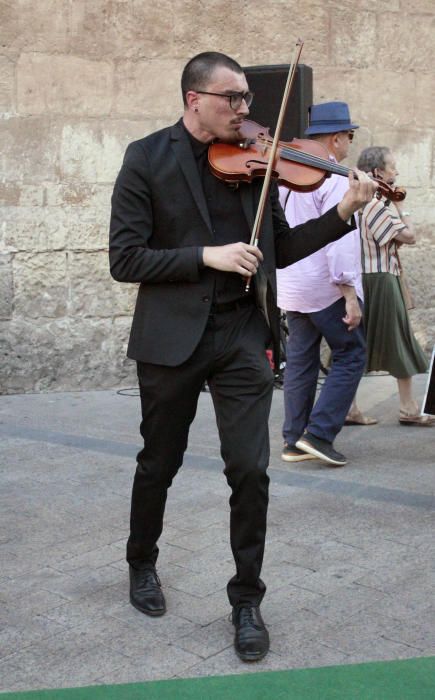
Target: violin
{"x":300,"y":164}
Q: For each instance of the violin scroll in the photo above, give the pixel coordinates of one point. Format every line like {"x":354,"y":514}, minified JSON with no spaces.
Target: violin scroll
{"x":395,"y":194}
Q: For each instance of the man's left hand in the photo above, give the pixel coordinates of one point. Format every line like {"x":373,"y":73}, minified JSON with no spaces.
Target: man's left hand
{"x":361,"y":190}
{"x":353,"y":314}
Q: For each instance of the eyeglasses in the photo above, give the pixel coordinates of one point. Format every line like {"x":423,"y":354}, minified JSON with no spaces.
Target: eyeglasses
{"x":235,"y":98}
{"x":350,"y":135}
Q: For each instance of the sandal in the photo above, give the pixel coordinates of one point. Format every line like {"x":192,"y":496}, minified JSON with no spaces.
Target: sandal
{"x":359,"y":419}
{"x":406,"y":418}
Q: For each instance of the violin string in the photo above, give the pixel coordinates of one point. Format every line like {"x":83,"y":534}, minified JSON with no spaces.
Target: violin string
{"x":315,"y":161}
{"x":309,"y":159}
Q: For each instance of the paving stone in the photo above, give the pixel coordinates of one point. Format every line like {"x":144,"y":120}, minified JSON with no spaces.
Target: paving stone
{"x":286,"y":602}
{"x":210,"y":639}
{"x":201,"y":611}
{"x":389,"y":578}
{"x":95,"y":558}
{"x":18,"y":632}
{"x":77,"y":612}
{"x":226,"y":662}
{"x":301,"y":625}
{"x":168,"y":628}
{"x":418,"y":632}
{"x":348,"y":601}
{"x":402,"y":603}
{"x":358,"y":630}
{"x":36,"y":602}
{"x":57,"y":661}
{"x":302,"y":653}
{"x":203,"y":539}
{"x":330,"y":578}
{"x":200,"y":584}
{"x":282,"y":574}
{"x":155,"y":662}
{"x":206,"y":559}
{"x":383,"y":650}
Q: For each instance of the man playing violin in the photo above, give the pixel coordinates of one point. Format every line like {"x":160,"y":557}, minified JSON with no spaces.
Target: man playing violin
{"x":183,"y":235}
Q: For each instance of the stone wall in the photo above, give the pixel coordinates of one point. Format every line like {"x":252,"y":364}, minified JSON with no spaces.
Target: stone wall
{"x":80,"y":79}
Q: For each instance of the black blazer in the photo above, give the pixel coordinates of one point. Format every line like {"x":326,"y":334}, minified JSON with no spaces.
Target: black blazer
{"x":158,"y":225}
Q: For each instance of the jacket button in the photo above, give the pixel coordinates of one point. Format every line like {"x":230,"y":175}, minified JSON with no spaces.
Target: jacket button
{"x":206,"y":298}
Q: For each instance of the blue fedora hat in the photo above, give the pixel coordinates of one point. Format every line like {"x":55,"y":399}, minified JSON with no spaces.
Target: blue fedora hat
{"x":329,"y":118}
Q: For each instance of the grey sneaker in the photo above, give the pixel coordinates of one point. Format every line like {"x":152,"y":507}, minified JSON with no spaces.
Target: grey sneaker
{"x":322,"y":449}
{"x":291,"y":453}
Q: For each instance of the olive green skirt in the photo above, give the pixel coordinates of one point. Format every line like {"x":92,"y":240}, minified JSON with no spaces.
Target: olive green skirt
{"x":391,"y":344}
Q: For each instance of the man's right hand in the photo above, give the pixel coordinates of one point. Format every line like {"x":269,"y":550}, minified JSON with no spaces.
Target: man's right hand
{"x":234,"y":257}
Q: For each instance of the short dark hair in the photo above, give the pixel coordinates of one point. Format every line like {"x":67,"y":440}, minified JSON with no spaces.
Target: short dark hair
{"x":372,"y":157}
{"x":198,"y":71}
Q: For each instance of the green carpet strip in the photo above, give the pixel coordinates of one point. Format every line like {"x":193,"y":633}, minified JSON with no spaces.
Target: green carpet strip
{"x":410,"y":679}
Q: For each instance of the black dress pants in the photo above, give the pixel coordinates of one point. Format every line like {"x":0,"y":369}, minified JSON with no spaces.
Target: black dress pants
{"x":231,"y":357}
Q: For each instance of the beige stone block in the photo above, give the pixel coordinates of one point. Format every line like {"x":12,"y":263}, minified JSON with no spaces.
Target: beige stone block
{"x":32,"y":196}
{"x":6,"y":84}
{"x":269,"y":32}
{"x":410,"y":32}
{"x":37,"y":229}
{"x":423,"y":100}
{"x":355,"y":47}
{"x":65,"y":84}
{"x":6,"y":287}
{"x":350,"y":9}
{"x":88,"y":154}
{"x":149,"y":89}
{"x":92,"y":152}
{"x":40,"y":285}
{"x":121,"y":333}
{"x":122,"y":369}
{"x":61,"y":354}
{"x":370,"y":106}
{"x":55,"y":228}
{"x":88,"y":228}
{"x":423,"y":6}
{"x":421,"y":203}
{"x":14,"y":194}
{"x":30,"y":26}
{"x":418,"y":261}
{"x":48,"y":228}
{"x":132,"y":29}
{"x":204,"y":26}
{"x":29,"y":150}
{"x":93,"y":291}
{"x":423,"y":325}
{"x":79,"y":195}
{"x":9,"y":194}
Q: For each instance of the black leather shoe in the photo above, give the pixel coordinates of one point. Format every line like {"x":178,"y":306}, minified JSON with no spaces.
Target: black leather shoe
{"x":146,"y":592}
{"x":251,"y":640}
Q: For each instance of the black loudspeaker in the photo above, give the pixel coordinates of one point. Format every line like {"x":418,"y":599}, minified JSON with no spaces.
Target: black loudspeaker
{"x":268,"y":83}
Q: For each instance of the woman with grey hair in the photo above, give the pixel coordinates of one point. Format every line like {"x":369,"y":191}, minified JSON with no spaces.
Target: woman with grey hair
{"x":391,"y":344}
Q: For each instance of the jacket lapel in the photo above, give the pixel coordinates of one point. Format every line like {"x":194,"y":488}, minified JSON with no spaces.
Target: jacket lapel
{"x":183,"y":153}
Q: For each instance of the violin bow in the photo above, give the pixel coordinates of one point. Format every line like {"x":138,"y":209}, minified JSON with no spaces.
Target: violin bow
{"x":273,"y":149}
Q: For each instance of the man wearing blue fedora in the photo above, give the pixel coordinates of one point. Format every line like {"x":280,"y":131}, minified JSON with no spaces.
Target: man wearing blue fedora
{"x":322,"y":298}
